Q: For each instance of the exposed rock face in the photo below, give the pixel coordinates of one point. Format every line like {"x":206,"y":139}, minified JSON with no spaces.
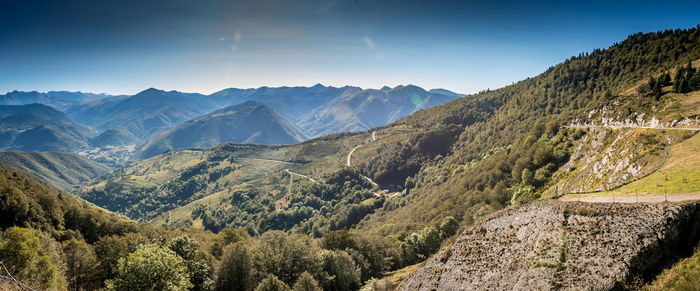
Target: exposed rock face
{"x":611,"y":118}
{"x":607,"y":158}
{"x":562,"y":245}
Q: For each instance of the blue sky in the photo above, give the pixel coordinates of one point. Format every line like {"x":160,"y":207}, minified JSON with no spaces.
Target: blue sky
{"x":123,"y":47}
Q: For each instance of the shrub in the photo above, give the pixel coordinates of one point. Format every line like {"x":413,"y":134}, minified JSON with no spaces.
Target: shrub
{"x":151,"y":267}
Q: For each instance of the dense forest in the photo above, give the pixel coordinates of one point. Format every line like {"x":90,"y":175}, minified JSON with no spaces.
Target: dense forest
{"x":463,"y":160}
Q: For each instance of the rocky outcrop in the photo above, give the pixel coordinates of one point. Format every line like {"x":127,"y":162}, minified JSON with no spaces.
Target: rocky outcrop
{"x":563,"y":245}
{"x":611,"y":118}
{"x":607,"y":158}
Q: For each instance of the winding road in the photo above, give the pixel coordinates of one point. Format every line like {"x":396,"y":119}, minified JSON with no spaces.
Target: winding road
{"x":350,"y":154}
{"x":370,"y":180}
{"x":269,"y":160}
{"x":374,"y":138}
{"x":300,"y":175}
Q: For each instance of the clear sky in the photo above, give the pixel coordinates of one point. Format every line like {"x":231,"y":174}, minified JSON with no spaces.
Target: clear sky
{"x":125,"y":46}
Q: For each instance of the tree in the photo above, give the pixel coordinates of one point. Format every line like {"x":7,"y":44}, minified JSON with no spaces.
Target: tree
{"x":225,"y":237}
{"x":14,"y":207}
{"x":431,"y":241}
{"x":110,"y":249}
{"x":338,"y":240}
{"x":271,"y":283}
{"x":197,"y":266}
{"x":377,"y":285}
{"x":151,"y":267}
{"x":306,"y":282}
{"x":665,"y":79}
{"x":527,"y":177}
{"x":656,"y":90}
{"x":235,"y":272}
{"x":448,"y":227}
{"x":22,"y":254}
{"x":80,"y":263}
{"x":288,"y":256}
{"x":652,"y":83}
{"x":344,"y":274}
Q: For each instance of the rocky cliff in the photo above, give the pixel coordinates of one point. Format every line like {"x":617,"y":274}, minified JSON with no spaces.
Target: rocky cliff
{"x":563,"y":245}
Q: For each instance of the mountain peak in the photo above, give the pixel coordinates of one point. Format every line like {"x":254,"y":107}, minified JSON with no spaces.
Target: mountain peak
{"x":151,"y":91}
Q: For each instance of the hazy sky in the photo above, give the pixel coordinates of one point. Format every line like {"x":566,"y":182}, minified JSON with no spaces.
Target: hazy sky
{"x":123,"y":47}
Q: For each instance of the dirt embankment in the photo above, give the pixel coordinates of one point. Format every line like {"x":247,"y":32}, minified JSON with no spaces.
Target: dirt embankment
{"x":563,"y":245}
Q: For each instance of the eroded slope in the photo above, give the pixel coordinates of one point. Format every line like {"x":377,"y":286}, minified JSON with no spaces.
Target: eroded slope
{"x":562,"y":245}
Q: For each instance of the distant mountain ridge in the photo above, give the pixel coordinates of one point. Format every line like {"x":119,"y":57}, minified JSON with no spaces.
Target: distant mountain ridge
{"x":60,"y":100}
{"x":318,"y":109}
{"x":294,"y":103}
{"x":321,"y":110}
{"x":249,"y":122}
{"x":37,"y":127}
{"x":370,"y":108}
{"x":145,"y":113}
{"x":303,"y":112}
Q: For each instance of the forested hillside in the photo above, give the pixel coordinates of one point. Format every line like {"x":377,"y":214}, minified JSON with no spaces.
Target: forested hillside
{"x":509,"y":141}
{"x":61,"y":170}
{"x":51,"y":241}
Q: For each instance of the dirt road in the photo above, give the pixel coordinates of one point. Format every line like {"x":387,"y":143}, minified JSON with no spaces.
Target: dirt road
{"x":583,"y":126}
{"x":268,"y":160}
{"x":350,"y":154}
{"x":300,"y":175}
{"x":593,"y":198}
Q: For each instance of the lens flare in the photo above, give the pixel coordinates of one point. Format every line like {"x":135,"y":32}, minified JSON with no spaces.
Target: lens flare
{"x":343,"y":112}
{"x":417,"y":101}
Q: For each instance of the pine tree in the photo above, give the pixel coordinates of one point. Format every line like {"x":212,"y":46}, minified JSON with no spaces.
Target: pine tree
{"x":665,"y":79}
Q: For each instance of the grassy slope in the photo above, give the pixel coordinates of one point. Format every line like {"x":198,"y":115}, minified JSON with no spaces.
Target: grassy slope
{"x":684,"y":275}
{"x":61,"y":170}
{"x":680,"y":173}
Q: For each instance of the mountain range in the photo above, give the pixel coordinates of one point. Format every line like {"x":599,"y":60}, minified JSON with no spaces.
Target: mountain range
{"x":145,"y":113}
{"x":248,"y":122}
{"x":61,"y":100}
{"x":150,"y":119}
{"x":37,"y":127}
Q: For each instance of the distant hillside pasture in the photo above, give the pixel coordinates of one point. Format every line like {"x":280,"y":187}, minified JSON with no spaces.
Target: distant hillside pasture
{"x":64,"y":171}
